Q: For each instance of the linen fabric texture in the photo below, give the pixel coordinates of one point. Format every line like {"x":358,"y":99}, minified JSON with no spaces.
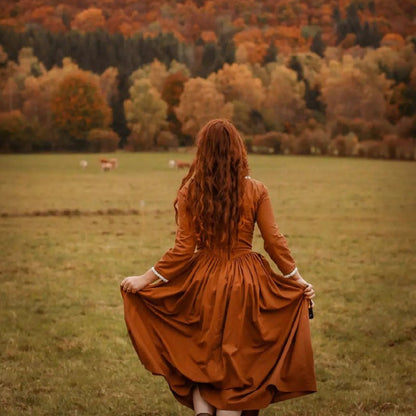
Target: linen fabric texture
{"x":226,"y":322}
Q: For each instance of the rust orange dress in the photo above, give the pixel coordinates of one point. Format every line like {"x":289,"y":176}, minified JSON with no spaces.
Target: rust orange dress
{"x":228,"y":323}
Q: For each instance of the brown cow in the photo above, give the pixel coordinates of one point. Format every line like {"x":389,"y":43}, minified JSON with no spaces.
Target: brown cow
{"x":179,"y":164}
{"x":108,"y":164}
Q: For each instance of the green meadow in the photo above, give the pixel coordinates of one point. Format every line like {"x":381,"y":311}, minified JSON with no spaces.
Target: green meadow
{"x":70,"y":235}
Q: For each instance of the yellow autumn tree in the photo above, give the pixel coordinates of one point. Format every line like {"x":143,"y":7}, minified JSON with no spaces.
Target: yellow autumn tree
{"x":246,"y":92}
{"x":145,"y":114}
{"x":237,"y":82}
{"x":351,"y":91}
{"x":199,"y":103}
{"x":284,"y":105}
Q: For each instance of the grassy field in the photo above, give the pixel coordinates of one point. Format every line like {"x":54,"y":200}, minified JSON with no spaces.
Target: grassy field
{"x":351,"y":225}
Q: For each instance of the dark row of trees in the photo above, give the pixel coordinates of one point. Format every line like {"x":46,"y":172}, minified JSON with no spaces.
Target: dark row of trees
{"x":96,"y":51}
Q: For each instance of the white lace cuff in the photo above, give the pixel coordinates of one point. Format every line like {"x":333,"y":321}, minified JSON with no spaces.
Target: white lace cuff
{"x":159,"y":275}
{"x":286,"y":276}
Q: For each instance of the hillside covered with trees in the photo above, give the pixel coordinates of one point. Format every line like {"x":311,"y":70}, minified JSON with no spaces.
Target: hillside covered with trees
{"x":295,"y":76}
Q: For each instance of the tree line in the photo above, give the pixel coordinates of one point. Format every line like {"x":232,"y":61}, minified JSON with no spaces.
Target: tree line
{"x":99,"y":50}
{"x":100,"y":91}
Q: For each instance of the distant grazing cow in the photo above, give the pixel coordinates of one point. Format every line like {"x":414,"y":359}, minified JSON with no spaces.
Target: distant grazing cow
{"x":179,"y":164}
{"x":108,"y":164}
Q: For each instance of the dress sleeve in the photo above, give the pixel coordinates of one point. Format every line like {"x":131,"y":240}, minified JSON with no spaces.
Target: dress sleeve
{"x":275,"y":243}
{"x":178,"y":257}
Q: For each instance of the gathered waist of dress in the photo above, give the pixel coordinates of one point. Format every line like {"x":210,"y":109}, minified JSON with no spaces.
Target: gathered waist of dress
{"x":223,"y":252}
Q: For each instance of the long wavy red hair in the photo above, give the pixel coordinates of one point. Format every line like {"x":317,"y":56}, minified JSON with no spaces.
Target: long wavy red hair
{"x":216,"y":188}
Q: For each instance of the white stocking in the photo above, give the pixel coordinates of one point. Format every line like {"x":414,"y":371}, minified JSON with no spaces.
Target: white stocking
{"x":200,"y":405}
{"x":228,"y":412}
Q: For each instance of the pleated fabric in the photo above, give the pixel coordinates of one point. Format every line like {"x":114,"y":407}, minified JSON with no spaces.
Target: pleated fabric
{"x":228,"y":324}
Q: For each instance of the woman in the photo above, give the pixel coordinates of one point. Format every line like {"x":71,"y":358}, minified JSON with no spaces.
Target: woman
{"x":229,"y":334}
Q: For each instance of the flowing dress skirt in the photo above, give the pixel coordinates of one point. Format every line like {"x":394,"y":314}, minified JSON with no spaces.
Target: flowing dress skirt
{"x":233,"y":326}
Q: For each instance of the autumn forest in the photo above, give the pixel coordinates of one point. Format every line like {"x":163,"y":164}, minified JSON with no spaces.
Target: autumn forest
{"x":296,"y":77}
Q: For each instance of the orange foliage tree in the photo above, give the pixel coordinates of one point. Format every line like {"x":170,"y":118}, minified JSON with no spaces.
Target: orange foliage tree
{"x":393,"y":40}
{"x":89,"y":20}
{"x":193,"y":20}
{"x":47,"y":17}
{"x":251,"y":46}
{"x":78,"y":106}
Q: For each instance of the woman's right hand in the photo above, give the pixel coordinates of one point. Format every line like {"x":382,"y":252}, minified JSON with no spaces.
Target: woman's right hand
{"x":309,"y":291}
{"x":134,"y":284}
